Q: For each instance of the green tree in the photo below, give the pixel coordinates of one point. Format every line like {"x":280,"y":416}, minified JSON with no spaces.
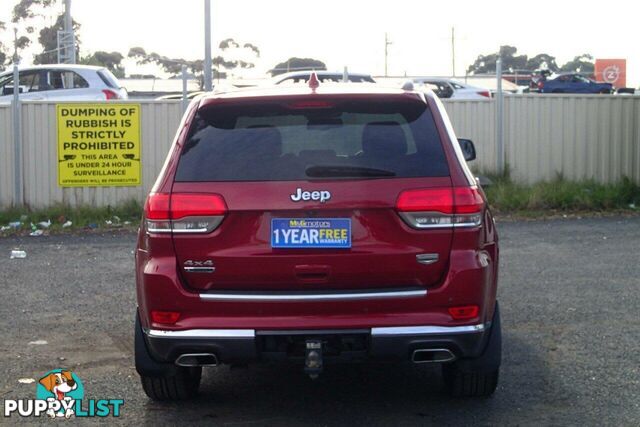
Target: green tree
{"x":582,"y":64}
{"x":26,"y":13}
{"x":542,"y":61}
{"x":235,"y":56}
{"x":3,"y":49}
{"x":240,"y":57}
{"x":172,"y":66}
{"x":297,"y":64}
{"x":110,"y":60}
{"x":48,"y":39}
{"x":29,"y":13}
{"x":25,"y":10}
{"x":511,"y":62}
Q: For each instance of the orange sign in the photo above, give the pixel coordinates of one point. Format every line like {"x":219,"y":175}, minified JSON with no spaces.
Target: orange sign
{"x":612,"y":71}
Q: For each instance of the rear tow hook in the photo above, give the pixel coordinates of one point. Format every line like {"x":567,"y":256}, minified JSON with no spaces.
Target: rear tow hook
{"x":313,"y":358}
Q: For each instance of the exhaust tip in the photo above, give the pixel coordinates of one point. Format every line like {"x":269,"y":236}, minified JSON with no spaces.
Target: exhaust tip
{"x":197,"y":359}
{"x":435,"y":355}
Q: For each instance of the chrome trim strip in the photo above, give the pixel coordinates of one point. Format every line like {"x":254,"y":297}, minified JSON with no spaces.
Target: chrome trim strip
{"x":428,"y":330}
{"x":384,"y":331}
{"x":158,"y":230}
{"x":199,"y":269}
{"x":202,"y":333}
{"x":190,"y":230}
{"x":467,"y":224}
{"x":312,"y":297}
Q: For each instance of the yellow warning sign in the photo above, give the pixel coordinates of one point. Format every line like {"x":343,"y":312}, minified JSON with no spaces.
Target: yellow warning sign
{"x":98,"y":145}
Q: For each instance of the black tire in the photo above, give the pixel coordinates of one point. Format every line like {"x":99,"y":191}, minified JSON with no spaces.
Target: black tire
{"x":161,"y":380}
{"x":470,"y":384}
{"x":184,"y":385}
{"x":477,"y":377}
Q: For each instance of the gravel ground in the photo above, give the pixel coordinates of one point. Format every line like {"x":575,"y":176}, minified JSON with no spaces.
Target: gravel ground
{"x":569,"y":294}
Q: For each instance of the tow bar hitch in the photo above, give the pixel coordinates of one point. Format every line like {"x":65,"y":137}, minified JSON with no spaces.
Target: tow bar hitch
{"x":313,"y":358}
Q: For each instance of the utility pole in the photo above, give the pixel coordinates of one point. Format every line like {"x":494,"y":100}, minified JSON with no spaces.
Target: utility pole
{"x":71,"y":37}
{"x":453,"y":51}
{"x":66,"y":46}
{"x":386,"y":52}
{"x":16,"y":58}
{"x":207,"y":46}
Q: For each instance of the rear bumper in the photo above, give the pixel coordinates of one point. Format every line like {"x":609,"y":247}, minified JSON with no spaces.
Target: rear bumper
{"x":240,"y":346}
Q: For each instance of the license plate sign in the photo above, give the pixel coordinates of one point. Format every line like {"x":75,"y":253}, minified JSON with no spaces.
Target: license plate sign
{"x":311,"y":233}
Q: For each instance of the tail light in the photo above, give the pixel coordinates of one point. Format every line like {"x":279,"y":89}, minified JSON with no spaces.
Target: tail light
{"x":465,"y":312}
{"x":184,"y":212}
{"x":110,"y":94}
{"x":485,"y":93}
{"x":441,"y":207}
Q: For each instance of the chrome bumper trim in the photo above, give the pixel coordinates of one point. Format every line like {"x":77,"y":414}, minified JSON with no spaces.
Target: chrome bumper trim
{"x":202,"y":333}
{"x":199,"y":269}
{"x":429,"y":330}
{"x":319,"y":296}
{"x":383,"y":331}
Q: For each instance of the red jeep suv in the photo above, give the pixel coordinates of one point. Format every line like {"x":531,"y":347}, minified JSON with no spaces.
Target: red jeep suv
{"x":316,"y":224}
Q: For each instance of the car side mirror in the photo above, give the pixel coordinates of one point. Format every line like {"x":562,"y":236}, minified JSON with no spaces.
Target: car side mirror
{"x":7,"y":90}
{"x":468,"y":149}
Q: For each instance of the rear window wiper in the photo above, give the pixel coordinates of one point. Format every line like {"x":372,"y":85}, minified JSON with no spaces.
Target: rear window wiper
{"x":338,"y":171}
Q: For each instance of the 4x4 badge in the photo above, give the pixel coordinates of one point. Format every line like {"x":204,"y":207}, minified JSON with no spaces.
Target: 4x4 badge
{"x":322,"y":195}
{"x":196,"y":266}
{"x":192,"y":263}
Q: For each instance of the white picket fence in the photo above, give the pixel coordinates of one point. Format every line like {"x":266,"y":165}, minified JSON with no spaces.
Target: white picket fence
{"x":578,"y":136}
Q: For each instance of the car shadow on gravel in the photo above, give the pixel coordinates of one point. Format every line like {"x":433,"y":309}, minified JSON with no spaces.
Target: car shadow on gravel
{"x":372,"y":393}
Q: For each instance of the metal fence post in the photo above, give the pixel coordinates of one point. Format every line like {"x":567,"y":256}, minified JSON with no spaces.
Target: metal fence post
{"x":499,"y":119}
{"x":207,"y":46}
{"x":185,"y":101}
{"x":17,"y":139}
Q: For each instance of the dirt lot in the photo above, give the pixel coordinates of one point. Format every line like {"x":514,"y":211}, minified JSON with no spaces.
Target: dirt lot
{"x":569,"y":293}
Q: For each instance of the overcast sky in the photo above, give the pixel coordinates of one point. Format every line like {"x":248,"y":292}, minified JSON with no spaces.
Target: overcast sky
{"x":351,"y":32}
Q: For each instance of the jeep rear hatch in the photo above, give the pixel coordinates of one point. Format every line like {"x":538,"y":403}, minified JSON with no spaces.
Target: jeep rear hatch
{"x":309,"y":193}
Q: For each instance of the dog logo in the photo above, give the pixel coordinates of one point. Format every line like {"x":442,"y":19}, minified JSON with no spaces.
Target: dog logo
{"x":60,"y":394}
{"x":63,"y":386}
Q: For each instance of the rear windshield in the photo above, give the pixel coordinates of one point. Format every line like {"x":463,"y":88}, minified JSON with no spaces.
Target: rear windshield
{"x":108,"y":79}
{"x":300,"y":141}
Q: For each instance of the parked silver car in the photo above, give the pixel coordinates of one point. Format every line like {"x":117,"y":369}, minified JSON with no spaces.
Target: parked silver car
{"x":62,"y":82}
{"x":323,"y":77}
{"x":450,"y":88}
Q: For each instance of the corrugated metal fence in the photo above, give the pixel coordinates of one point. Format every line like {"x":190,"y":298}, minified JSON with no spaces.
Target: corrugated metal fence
{"x":578,"y":136}
{"x":159,"y":122}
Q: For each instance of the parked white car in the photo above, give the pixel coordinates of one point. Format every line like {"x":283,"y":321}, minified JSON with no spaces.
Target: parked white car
{"x":450,"y":88}
{"x":62,"y":82}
